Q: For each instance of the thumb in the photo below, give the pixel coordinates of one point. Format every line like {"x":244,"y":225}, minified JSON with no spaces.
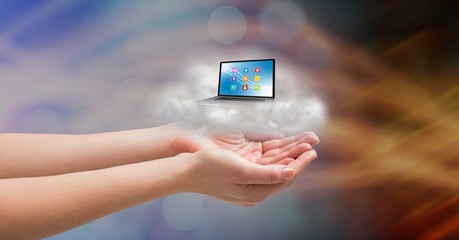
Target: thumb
{"x":268,"y":174}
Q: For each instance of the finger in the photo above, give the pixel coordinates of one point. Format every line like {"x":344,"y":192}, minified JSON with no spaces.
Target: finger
{"x":312,"y":139}
{"x":269,"y":174}
{"x":278,"y":143}
{"x":303,"y":161}
{"x":294,"y":152}
{"x":277,"y":151}
{"x":308,"y":137}
{"x":285,"y":161}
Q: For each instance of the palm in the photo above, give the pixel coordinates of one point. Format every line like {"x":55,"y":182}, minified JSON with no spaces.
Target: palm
{"x":236,"y":141}
{"x":275,"y":150}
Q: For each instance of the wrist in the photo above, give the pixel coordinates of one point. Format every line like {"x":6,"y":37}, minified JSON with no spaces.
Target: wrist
{"x":160,"y":141}
{"x":196,"y":169}
{"x":184,"y":169}
{"x":181,"y":139}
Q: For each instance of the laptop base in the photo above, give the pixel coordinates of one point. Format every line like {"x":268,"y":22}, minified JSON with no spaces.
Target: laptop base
{"x":232,"y":101}
{"x":249,"y":99}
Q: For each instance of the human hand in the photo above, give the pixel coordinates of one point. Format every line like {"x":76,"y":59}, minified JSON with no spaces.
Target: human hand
{"x":225,"y":175}
{"x":262,"y":148}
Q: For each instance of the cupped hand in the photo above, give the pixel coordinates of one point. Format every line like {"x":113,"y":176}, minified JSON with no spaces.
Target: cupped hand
{"x":261,"y":148}
{"x":225,"y":175}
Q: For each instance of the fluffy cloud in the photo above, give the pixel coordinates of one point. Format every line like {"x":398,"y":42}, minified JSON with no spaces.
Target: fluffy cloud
{"x":294,"y":109}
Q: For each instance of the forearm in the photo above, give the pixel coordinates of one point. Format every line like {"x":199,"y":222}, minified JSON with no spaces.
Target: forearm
{"x":38,"y":207}
{"x":29,"y":155}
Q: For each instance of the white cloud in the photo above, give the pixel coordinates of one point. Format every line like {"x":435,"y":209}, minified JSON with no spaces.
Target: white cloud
{"x":293,"y":111}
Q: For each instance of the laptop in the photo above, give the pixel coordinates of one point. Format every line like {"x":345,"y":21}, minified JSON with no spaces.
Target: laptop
{"x":245,"y":80}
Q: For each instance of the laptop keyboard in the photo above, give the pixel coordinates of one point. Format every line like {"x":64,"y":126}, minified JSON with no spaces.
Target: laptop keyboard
{"x":241,"y":99}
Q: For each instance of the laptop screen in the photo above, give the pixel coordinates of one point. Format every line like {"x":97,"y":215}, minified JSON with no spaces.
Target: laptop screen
{"x":251,"y":78}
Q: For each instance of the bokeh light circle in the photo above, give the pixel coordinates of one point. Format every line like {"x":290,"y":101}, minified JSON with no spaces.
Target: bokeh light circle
{"x":282,"y":22}
{"x":227,"y":25}
{"x":183,"y":211}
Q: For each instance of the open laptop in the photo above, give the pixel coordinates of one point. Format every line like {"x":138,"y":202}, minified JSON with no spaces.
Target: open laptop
{"x":245,"y":80}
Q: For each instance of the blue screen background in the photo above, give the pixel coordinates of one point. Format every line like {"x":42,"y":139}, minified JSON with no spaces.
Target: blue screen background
{"x":265,"y":83}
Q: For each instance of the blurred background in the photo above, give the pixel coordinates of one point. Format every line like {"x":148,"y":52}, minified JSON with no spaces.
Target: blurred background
{"x":386,"y":71}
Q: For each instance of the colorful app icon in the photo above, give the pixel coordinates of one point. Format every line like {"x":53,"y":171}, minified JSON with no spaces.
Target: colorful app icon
{"x":233,"y":78}
{"x":257,"y":69}
{"x":256,"y":87}
{"x":233,"y":87}
{"x":256,"y":78}
{"x":245,"y":87}
{"x":234,"y":70}
{"x":245,"y":78}
{"x":246,"y":70}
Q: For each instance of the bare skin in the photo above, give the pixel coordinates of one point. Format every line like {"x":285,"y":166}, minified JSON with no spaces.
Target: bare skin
{"x":265,"y":148}
{"x":52,"y":183}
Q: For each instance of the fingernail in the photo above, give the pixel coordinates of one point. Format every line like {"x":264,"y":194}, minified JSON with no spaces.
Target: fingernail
{"x":287,"y":173}
{"x":314,"y":152}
